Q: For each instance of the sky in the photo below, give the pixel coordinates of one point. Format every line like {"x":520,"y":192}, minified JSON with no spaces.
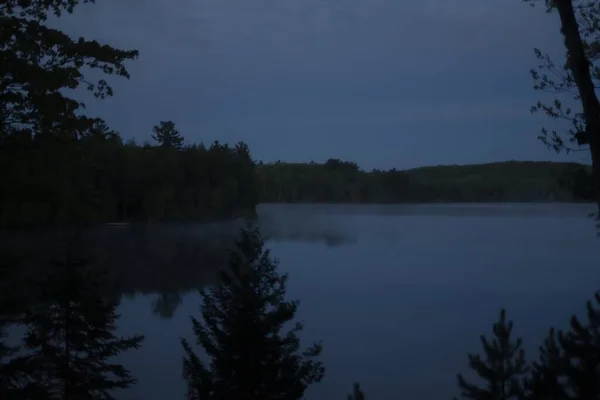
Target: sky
{"x":385,"y":83}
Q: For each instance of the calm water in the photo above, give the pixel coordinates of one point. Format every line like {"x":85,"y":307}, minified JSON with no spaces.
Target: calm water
{"x":399,"y":294}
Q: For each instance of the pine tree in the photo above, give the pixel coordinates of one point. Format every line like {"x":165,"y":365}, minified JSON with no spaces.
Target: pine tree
{"x":503,"y":367}
{"x":582,"y":348}
{"x":71,"y":338}
{"x":243,"y":318}
{"x":167,"y":135}
{"x":545,"y":380}
{"x":357,"y":393}
{"x":569,"y":366}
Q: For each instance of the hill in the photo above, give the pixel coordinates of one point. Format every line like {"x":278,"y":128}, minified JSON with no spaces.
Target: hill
{"x":337,"y":181}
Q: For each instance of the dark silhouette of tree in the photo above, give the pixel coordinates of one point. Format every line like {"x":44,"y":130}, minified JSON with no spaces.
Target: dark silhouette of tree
{"x":38,"y":62}
{"x":577,"y":78}
{"x":545,"y":380}
{"x":165,"y":304}
{"x":243,"y":318}
{"x":569,"y":364}
{"x":12,"y":369}
{"x":70,"y":337}
{"x":357,"y":393}
{"x":502,"y":367}
{"x":167,"y":135}
{"x":581,"y":346}
{"x":98,"y":178}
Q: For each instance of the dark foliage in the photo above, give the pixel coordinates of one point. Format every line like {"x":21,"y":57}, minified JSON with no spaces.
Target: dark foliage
{"x":166,"y":135}
{"x":502,"y":366}
{"x":343,"y":182}
{"x":574,"y":81}
{"x":568,"y":366}
{"x":569,"y":363}
{"x":545,"y":381}
{"x":242,"y":333}
{"x":38,"y":62}
{"x":357,"y":393}
{"x":59,"y":166}
{"x":578,"y":180}
{"x":98,"y":178}
{"x":70,"y":338}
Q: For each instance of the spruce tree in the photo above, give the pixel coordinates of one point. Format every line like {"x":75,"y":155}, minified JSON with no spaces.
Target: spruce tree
{"x":502,"y":368}
{"x":569,"y":366}
{"x":357,"y":393}
{"x":251,"y":357}
{"x":70,"y":336}
{"x":582,"y":348}
{"x":547,"y":374}
{"x":167,"y":135}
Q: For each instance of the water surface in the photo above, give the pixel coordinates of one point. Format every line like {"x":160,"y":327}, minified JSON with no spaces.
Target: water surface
{"x":399,"y":294}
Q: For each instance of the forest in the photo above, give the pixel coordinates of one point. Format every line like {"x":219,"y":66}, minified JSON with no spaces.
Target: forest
{"x":337,"y":181}
{"x":50,"y":179}
{"x":98,"y":177}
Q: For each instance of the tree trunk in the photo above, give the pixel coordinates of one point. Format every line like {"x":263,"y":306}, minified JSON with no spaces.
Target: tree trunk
{"x":579,"y":65}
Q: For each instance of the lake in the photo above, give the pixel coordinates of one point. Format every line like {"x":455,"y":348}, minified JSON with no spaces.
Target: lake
{"x":399,"y":294}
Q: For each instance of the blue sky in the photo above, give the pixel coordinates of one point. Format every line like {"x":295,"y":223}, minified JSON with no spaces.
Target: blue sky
{"x":385,"y":83}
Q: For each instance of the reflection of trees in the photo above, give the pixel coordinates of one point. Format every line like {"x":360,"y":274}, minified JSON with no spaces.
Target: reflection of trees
{"x":330,"y":239}
{"x":166,"y":260}
{"x":162,"y":260}
{"x":304,"y":228}
{"x":165,"y":304}
{"x":9,"y":368}
{"x":70,"y":337}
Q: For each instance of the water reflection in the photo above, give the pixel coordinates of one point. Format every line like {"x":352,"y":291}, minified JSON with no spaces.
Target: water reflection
{"x":70,"y":339}
{"x":432,"y":270}
{"x":165,"y":304}
{"x":307,"y":225}
{"x":162,"y":260}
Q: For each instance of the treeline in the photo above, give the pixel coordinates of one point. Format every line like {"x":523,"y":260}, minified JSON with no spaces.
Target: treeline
{"x":60,"y":166}
{"x":337,"y":181}
{"x":50,"y":179}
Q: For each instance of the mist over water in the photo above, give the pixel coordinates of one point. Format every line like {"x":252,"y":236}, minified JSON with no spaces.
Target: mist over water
{"x":399,"y":294}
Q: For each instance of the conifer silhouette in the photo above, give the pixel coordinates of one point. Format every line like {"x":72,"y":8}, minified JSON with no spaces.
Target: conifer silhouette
{"x":70,"y":336}
{"x":502,"y":366}
{"x":569,"y":365}
{"x":357,"y":393}
{"x":250,"y":357}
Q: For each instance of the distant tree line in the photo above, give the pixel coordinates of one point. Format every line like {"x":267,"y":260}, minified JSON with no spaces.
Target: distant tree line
{"x":339,"y":181}
{"x":49,"y":179}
